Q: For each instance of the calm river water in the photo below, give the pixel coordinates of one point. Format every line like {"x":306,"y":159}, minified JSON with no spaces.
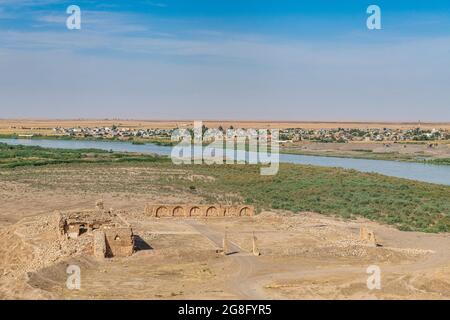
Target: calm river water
{"x":439,"y":174}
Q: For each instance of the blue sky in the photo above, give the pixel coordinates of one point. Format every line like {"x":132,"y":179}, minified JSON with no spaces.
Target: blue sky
{"x":226,"y":59}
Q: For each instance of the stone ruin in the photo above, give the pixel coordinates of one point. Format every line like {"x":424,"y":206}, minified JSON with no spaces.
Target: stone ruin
{"x":113,"y":242}
{"x":225,"y":244}
{"x":255,"y":249}
{"x":368,"y":236}
{"x":197,"y":210}
{"x":112,"y":236}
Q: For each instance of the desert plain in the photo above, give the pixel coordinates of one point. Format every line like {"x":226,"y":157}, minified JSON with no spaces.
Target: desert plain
{"x":46,"y":125}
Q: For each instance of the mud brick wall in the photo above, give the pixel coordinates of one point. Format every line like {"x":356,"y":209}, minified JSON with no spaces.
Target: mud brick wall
{"x":119,"y":242}
{"x":194,"y":210}
{"x":99,"y":244}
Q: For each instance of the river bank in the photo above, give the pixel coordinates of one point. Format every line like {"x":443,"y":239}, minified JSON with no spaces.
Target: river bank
{"x":425,"y":172}
{"x":406,"y":152}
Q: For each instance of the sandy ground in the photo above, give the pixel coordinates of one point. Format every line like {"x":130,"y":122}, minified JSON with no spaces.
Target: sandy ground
{"x":372,"y":149}
{"x":303,"y":256}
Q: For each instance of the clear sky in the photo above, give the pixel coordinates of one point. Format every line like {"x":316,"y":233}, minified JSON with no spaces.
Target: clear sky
{"x":226,"y":59}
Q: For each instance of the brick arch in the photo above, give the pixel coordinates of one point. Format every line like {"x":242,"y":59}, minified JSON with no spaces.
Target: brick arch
{"x":162,"y":212}
{"x":244,"y":212}
{"x":212,"y":211}
{"x":198,"y":210}
{"x":178,"y":211}
{"x":195,"y":211}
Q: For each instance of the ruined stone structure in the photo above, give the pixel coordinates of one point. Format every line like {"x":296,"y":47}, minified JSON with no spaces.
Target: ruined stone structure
{"x":99,"y":244}
{"x":225,"y":244}
{"x":367,"y":235}
{"x":255,"y":249}
{"x":111,"y":237}
{"x":74,"y":224}
{"x":196,"y":210}
{"x":119,"y":242}
{"x":99,"y":205}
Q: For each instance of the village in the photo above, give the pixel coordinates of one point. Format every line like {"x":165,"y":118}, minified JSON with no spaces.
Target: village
{"x":343,"y":135}
{"x":112,"y":132}
{"x":335,"y":135}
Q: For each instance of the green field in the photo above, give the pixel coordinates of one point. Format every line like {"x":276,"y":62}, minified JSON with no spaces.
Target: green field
{"x":406,"y":204}
{"x":442,"y":161}
{"x":17,"y":156}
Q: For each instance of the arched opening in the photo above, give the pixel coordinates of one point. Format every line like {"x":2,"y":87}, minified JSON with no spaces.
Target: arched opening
{"x":245,"y":211}
{"x":178,"y":212}
{"x":162,"y":212}
{"x":212,"y":212}
{"x":195,"y":212}
{"x":82,"y":229}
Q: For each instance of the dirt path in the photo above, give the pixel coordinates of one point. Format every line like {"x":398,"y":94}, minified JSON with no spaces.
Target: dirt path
{"x":214,"y":236}
{"x":243,"y":263}
{"x":249,"y":275}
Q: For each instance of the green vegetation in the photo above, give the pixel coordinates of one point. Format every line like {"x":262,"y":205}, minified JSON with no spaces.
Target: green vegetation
{"x":161,"y":142}
{"x":360,"y":154}
{"x":440,"y":161}
{"x":16,"y":156}
{"x":9,"y":136}
{"x":408,"y":205}
{"x":134,"y":140}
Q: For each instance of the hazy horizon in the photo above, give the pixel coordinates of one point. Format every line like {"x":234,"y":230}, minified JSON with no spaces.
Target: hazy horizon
{"x":223,"y":120}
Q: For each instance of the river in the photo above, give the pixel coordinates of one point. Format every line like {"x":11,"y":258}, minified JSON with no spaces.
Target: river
{"x":439,"y":174}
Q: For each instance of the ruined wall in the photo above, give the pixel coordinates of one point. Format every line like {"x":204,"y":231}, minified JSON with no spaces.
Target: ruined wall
{"x":194,"y":210}
{"x":112,"y":236}
{"x":119,"y":242}
{"x":72,"y":224}
{"x":99,"y":244}
{"x":367,"y":235}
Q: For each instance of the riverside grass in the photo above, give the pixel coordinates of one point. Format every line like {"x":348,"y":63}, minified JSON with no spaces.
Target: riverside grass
{"x":18,"y":155}
{"x":406,"y":204}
